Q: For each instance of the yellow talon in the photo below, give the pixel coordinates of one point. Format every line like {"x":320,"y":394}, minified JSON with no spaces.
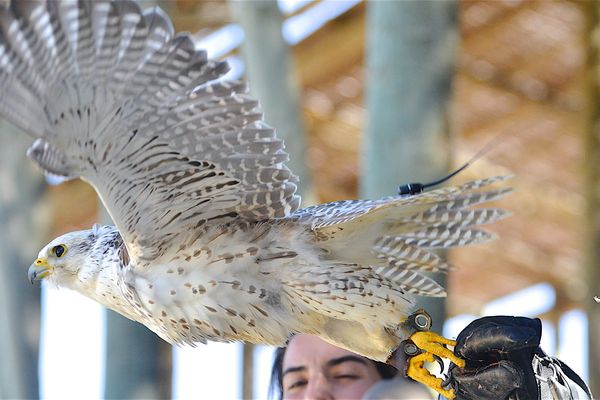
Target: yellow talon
{"x":432,"y":344}
{"x":419,"y":373}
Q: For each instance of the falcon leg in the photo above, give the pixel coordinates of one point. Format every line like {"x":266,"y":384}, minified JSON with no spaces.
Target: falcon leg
{"x":432,"y":344}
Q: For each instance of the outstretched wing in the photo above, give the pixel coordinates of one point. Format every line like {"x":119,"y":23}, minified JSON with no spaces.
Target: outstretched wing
{"x":116,"y":99}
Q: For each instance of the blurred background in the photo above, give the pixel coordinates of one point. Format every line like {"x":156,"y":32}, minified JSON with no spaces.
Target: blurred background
{"x":367,"y":95}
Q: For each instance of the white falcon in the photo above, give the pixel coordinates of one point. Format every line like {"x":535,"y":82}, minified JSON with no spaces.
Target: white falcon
{"x":209,"y":243}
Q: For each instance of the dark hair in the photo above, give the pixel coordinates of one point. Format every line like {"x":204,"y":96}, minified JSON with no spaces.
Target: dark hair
{"x":384,"y":370}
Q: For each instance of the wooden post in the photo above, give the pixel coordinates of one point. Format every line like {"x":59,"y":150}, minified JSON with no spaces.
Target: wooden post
{"x":591,"y":185}
{"x":24,"y":231}
{"x":410,"y":54}
{"x":138,"y":363}
{"x":248,"y":371}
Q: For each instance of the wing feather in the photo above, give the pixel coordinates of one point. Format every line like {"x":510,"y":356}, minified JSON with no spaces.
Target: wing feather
{"x":396,"y":235}
{"x":119,"y":100}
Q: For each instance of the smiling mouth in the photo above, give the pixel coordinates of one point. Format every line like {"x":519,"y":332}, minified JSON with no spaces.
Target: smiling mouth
{"x":38,"y":271}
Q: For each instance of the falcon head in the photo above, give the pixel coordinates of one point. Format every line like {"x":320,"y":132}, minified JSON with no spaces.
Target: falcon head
{"x":62,"y":259}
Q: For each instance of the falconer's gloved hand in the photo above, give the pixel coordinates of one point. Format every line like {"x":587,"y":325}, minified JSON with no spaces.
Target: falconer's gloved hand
{"x":504,"y":361}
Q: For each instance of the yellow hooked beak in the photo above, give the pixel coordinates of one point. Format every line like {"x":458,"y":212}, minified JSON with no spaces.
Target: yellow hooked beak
{"x":38,"y":270}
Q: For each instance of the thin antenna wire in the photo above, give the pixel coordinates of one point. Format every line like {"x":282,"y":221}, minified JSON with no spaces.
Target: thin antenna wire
{"x":416,"y":188}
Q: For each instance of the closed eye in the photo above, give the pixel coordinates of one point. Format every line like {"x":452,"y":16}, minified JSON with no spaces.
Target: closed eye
{"x":346,"y":376}
{"x":297,"y":384}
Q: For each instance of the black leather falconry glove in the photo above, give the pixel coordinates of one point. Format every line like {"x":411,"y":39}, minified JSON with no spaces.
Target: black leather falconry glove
{"x":504,"y":361}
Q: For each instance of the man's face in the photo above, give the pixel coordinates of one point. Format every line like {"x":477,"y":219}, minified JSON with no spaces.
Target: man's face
{"x":314,"y":369}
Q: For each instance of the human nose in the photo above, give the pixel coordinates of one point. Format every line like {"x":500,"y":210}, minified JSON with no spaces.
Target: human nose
{"x":318,"y":388}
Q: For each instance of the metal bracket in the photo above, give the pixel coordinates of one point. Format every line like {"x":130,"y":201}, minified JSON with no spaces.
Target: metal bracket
{"x":420,"y":320}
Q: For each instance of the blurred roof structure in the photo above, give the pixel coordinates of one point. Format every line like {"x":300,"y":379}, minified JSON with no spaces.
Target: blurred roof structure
{"x":518,"y":75}
{"x":519,"y":78}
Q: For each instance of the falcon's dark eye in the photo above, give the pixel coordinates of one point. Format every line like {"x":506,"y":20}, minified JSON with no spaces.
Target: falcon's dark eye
{"x":59,"y":250}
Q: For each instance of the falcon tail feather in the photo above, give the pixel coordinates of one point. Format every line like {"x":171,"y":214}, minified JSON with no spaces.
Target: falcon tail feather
{"x":398,"y":235}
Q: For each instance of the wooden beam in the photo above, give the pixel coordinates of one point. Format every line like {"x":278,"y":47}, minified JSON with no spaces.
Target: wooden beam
{"x":333,"y":50}
{"x":591,"y":171}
